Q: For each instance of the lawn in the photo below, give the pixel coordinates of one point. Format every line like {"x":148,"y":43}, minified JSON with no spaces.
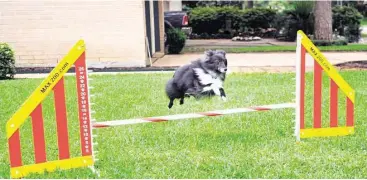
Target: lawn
{"x":250,"y":49}
{"x":364,"y":22}
{"x":251,"y":145}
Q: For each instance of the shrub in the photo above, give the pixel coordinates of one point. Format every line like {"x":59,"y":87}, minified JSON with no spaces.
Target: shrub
{"x":258,"y":18}
{"x":300,"y":17}
{"x":7,"y":61}
{"x":346,"y":20}
{"x":231,"y":14}
{"x":211,"y":19}
{"x":204,"y":19}
{"x":176,"y":40}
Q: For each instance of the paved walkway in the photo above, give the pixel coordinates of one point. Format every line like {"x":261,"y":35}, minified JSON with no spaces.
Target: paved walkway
{"x":259,"y":62}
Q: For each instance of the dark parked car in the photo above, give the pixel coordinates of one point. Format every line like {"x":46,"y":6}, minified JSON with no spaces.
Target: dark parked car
{"x":176,"y":19}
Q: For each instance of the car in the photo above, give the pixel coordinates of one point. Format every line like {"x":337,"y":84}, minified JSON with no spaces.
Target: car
{"x":176,"y":19}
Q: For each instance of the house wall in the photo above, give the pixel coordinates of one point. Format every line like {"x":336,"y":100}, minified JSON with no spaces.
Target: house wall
{"x":173,"y":5}
{"x":42,"y":31}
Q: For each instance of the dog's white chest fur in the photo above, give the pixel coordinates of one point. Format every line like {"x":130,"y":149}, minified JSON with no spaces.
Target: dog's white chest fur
{"x":207,"y":79}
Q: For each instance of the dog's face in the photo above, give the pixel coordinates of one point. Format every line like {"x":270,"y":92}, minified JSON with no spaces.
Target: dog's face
{"x":216,"y":60}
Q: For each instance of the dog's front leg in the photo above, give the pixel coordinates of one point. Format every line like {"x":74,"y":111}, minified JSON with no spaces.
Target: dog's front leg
{"x":182,"y":100}
{"x":170,"y":104}
{"x":216,"y":91}
{"x":222,"y":94}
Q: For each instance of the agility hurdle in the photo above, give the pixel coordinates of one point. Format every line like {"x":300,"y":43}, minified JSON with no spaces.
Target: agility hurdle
{"x":321,"y":64}
{"x":32,"y":107}
{"x":55,"y":83}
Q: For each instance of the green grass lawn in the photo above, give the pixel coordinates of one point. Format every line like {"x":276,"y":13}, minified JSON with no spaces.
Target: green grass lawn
{"x":364,"y":22}
{"x":250,"y":49}
{"x":251,"y":145}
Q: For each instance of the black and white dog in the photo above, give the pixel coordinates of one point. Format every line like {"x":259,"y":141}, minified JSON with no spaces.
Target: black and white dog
{"x":203,"y":77}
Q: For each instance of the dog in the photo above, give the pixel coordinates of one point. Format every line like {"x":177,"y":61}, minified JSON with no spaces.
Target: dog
{"x":203,"y":77}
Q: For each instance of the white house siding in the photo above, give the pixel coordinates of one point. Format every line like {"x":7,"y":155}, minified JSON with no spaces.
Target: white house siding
{"x":42,"y":31}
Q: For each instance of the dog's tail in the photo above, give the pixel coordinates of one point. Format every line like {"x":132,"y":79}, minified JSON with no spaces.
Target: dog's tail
{"x":171,"y":90}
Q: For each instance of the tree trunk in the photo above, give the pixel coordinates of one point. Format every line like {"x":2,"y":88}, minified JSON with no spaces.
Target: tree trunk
{"x":323,"y":20}
{"x":250,"y":4}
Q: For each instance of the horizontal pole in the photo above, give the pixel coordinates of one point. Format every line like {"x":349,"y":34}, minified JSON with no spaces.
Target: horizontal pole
{"x":106,"y":124}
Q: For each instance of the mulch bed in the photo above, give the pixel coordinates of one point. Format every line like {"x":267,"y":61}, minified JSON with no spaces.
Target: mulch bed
{"x":29,"y":70}
{"x":355,"y":65}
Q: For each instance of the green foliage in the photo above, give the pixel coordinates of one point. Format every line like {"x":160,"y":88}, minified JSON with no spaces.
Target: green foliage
{"x":258,"y":17}
{"x":298,"y":17}
{"x":280,"y":6}
{"x":212,"y":19}
{"x":364,"y":22}
{"x":176,"y":40}
{"x":233,"y":3}
{"x":358,"y":5}
{"x":204,"y":19}
{"x":229,"y":13}
{"x":347,"y":22}
{"x":303,"y":8}
{"x":7,"y":62}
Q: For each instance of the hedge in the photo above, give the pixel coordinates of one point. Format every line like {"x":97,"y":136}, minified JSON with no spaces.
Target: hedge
{"x":346,"y":20}
{"x":209,"y":21}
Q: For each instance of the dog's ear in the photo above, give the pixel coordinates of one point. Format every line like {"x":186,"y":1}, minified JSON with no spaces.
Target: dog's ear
{"x":209,"y":52}
{"x":221,"y":52}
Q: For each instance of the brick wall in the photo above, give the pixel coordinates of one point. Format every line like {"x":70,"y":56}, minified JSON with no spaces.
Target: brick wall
{"x":42,"y":31}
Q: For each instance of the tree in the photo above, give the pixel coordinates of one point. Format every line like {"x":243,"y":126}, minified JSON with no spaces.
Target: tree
{"x":323,"y":20}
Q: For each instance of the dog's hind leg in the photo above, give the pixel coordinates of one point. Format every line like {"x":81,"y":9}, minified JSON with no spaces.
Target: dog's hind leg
{"x":222,"y":94}
{"x":170,"y":104}
{"x":182,"y":100}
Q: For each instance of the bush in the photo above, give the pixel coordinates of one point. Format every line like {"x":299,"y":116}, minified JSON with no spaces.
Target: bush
{"x":176,"y":40}
{"x":211,"y":19}
{"x":300,"y":17}
{"x":346,"y":21}
{"x":7,"y":61}
{"x":258,"y":18}
{"x":204,"y":19}
{"x":230,"y":14}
